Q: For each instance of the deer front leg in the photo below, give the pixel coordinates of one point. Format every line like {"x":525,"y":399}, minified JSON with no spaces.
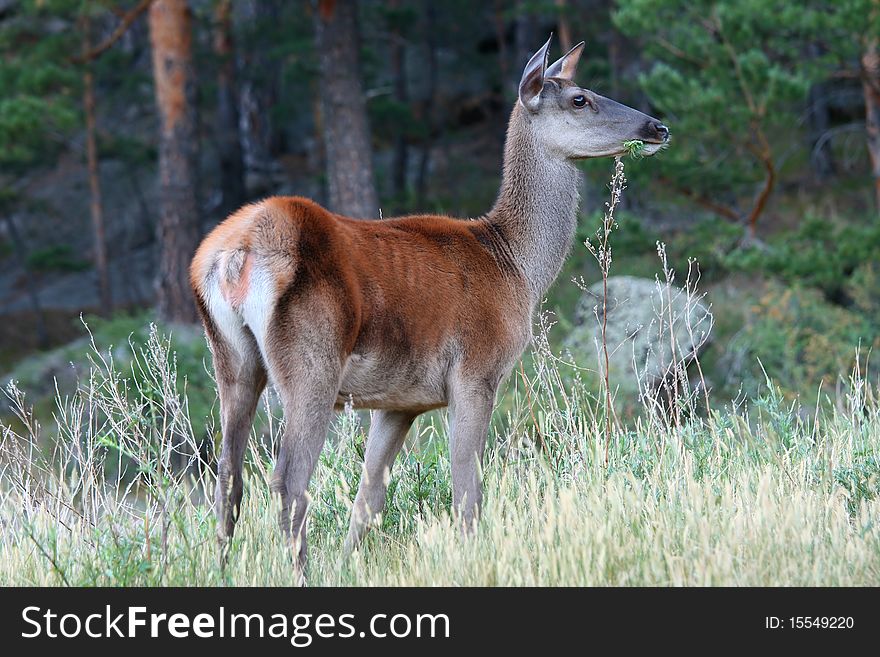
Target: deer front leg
{"x":387,"y":433}
{"x":471,"y":411}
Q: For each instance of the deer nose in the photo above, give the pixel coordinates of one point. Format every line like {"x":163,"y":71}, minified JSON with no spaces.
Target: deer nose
{"x":661,"y":130}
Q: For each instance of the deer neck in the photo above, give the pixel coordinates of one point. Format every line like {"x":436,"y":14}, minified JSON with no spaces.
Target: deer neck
{"x":536,"y":209}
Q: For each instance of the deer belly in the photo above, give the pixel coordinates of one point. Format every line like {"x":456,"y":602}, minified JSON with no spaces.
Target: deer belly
{"x":374,"y":381}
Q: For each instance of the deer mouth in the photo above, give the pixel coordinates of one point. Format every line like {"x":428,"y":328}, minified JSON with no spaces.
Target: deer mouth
{"x":638,"y":147}
{"x":654,"y":136}
{"x":651,"y":147}
{"x":645,"y":147}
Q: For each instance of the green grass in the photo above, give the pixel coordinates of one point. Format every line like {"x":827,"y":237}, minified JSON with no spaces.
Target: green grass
{"x":112,"y":494}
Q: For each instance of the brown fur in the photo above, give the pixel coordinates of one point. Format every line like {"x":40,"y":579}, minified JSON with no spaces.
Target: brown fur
{"x":403,"y":287}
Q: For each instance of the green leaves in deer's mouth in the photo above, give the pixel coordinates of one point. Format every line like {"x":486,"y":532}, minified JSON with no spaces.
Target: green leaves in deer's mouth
{"x":635,"y":148}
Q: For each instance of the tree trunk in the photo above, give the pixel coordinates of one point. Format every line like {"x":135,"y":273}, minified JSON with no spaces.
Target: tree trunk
{"x":260,"y":138}
{"x":350,"y":185}
{"x":526,"y":38}
{"x":427,"y":105}
{"x":763,"y":196}
{"x":563,"y":24}
{"x":178,"y":227}
{"x":228,"y":138}
{"x":398,"y":72}
{"x":96,"y":205}
{"x":870,"y":70}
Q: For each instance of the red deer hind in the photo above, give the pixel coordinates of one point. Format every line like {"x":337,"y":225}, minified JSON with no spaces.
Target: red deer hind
{"x":399,"y":315}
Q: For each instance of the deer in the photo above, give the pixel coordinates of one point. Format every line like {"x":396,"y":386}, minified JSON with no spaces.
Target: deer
{"x":397,"y":315}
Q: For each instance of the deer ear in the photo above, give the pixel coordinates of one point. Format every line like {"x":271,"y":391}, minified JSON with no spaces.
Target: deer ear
{"x":565,"y":66}
{"x":533,"y":77}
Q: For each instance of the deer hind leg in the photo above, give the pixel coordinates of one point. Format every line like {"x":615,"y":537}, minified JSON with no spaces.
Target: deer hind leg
{"x":305,"y":369}
{"x":241,"y":379}
{"x":388,"y":431}
{"x":470,"y":411}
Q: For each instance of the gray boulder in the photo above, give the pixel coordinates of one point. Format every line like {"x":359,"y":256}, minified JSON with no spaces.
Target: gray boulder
{"x":642,"y":349}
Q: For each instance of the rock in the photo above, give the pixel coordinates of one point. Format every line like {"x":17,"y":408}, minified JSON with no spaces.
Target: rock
{"x":640,"y":346}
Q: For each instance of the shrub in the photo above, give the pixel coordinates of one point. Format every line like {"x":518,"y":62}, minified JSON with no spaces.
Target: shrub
{"x":863,"y":288}
{"x":42,"y":374}
{"x":57,"y":257}
{"x":820,"y":253}
{"x":800,"y":339}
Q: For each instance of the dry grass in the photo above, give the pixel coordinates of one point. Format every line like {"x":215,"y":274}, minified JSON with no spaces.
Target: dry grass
{"x":777,"y":496}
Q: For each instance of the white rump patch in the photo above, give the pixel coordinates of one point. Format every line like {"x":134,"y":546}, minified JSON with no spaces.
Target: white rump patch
{"x":258,"y":305}
{"x":228,"y":322}
{"x":254,"y":311}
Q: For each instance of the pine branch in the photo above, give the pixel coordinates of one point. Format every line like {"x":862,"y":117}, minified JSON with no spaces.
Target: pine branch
{"x":117,"y":34}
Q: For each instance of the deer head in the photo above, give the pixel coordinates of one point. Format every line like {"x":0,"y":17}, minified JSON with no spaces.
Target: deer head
{"x":574,"y":123}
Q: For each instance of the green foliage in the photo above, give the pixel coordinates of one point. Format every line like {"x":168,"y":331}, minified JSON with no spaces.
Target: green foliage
{"x":725,"y":76}
{"x":708,"y":242}
{"x":631,"y":236}
{"x":801,"y":340}
{"x":861,"y":480}
{"x":37,"y":84}
{"x":863,"y":289}
{"x":847,"y":25}
{"x":276,"y":44}
{"x":191,"y":356}
{"x":635,"y":247}
{"x":56,"y":257}
{"x":634,"y":148}
{"x":390,"y":117}
{"x":131,"y":149}
{"x":116,"y":335}
{"x":819,"y":253}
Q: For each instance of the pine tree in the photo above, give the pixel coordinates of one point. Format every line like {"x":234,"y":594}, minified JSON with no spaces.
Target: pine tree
{"x":731,"y":79}
{"x":38,"y":111}
{"x":350,"y":184}
{"x":178,"y":227}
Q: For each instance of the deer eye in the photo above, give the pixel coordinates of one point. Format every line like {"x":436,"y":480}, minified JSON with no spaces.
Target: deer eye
{"x":579,"y":101}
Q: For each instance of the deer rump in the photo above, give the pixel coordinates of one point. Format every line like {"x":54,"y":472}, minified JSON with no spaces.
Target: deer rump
{"x":397,"y":303}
